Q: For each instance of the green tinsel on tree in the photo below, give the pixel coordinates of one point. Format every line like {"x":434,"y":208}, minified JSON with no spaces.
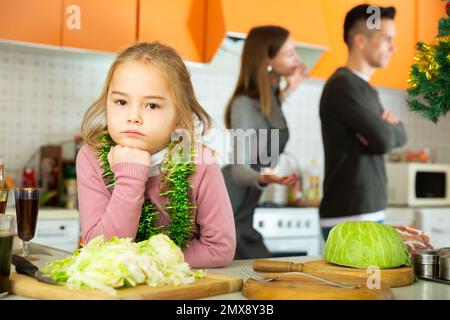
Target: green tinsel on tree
{"x":444,"y":25}
{"x":429,"y":78}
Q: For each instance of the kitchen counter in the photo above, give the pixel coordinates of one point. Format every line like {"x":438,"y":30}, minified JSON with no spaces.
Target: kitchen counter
{"x":420,"y":290}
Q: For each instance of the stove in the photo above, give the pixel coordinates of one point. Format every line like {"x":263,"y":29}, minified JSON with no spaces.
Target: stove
{"x":289,"y":231}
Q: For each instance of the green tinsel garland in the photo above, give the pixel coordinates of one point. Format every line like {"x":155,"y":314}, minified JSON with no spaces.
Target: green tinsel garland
{"x":176,"y":175}
{"x":429,"y":78}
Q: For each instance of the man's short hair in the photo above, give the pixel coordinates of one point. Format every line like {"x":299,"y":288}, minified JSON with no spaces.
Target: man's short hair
{"x":359,"y":14}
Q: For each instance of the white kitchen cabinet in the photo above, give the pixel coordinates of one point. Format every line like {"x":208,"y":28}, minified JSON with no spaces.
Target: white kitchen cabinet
{"x":60,"y":233}
{"x":435,"y":222}
{"x":399,"y":216}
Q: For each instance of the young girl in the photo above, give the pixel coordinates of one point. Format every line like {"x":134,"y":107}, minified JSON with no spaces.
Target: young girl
{"x":130,"y":183}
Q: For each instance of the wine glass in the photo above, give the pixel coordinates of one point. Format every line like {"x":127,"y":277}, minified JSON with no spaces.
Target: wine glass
{"x":27,"y":207}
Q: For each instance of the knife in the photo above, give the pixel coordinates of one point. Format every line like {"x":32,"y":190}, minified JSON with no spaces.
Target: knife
{"x":23,"y":266}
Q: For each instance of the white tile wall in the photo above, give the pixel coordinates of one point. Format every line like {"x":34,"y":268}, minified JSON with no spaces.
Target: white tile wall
{"x":44,"y":93}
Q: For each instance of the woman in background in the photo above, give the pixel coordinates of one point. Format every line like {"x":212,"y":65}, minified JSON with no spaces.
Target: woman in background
{"x":268,"y":56}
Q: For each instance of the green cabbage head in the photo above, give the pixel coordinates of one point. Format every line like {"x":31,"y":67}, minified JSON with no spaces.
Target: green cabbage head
{"x":361,"y":244}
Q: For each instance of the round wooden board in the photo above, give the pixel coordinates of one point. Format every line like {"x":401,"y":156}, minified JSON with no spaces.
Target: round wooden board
{"x":298,"y":287}
{"x":397,"y":277}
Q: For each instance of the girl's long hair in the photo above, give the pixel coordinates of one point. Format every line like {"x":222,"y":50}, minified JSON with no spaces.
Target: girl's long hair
{"x":262,"y":43}
{"x":189,"y":111}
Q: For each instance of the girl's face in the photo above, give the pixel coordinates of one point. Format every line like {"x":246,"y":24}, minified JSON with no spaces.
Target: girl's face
{"x":286,"y":61}
{"x":140,"y":112}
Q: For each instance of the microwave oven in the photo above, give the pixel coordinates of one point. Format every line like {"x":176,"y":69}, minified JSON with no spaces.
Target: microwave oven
{"x":418,"y":184}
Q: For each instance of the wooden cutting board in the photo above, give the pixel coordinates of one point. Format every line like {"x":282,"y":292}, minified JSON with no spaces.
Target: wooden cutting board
{"x":298,"y":287}
{"x":212,"y":284}
{"x":397,"y":277}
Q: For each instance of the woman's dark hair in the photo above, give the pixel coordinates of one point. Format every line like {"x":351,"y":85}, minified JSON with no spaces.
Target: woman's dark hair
{"x":262,"y":43}
{"x":361,"y":14}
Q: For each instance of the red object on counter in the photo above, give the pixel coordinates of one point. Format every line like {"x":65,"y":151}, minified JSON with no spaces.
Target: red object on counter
{"x":418,"y":156}
{"x":29,"y":178}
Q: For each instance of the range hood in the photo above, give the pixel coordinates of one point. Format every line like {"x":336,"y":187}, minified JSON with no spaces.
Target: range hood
{"x":227,"y":58}
{"x":229,"y":21}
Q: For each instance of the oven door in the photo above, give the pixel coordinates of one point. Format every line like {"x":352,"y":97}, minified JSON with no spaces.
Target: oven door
{"x":289,"y":231}
{"x":292,"y":247}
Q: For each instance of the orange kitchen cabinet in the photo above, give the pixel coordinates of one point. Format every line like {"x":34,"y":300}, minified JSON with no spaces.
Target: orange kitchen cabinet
{"x":177,"y":23}
{"x":101,"y":25}
{"x":304,"y":19}
{"x":429,"y":12}
{"x":31,"y":21}
{"x":395,"y":75}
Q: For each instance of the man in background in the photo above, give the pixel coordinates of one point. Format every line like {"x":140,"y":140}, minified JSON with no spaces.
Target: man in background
{"x":357,"y":131}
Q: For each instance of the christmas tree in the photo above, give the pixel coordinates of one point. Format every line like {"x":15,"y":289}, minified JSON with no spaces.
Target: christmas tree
{"x":429,"y":78}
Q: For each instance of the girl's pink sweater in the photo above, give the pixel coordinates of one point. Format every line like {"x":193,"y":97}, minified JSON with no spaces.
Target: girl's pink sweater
{"x":116,"y":212}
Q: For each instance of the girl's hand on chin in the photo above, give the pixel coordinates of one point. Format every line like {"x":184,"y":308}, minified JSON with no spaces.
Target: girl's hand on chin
{"x":120,"y":154}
